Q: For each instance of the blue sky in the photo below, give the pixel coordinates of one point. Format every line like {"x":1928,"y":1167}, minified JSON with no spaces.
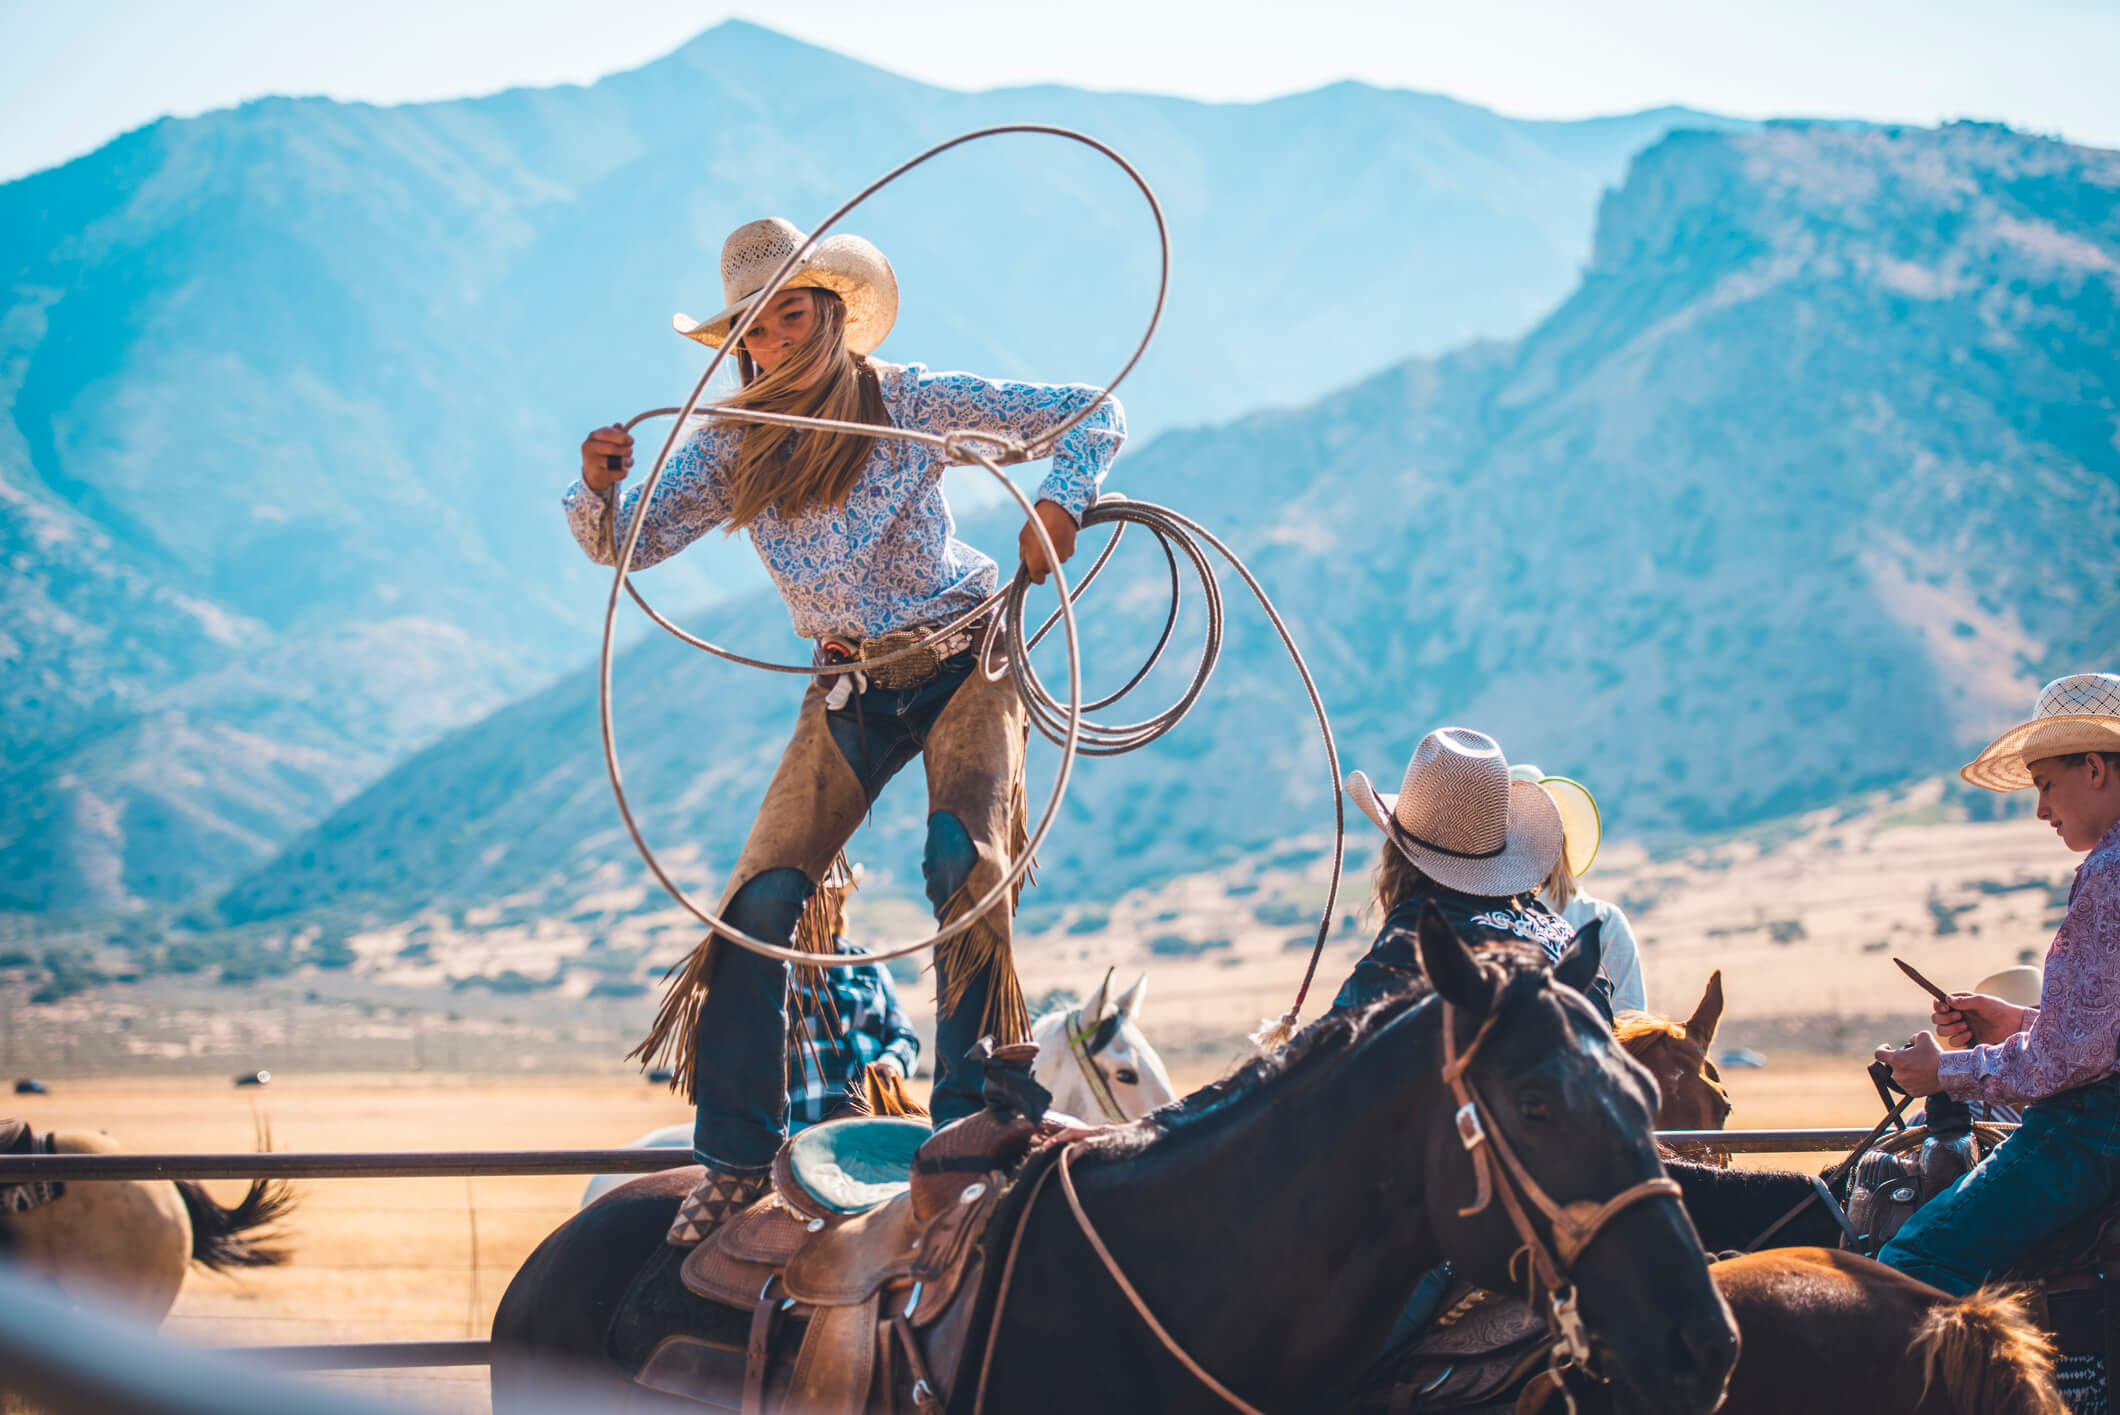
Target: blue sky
{"x":78,"y":73}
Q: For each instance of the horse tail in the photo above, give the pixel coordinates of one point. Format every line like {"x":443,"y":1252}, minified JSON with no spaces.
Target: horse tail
{"x":1987,"y":1357}
{"x":222,"y":1239}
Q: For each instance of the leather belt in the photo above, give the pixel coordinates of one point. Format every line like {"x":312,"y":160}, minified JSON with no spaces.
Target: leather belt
{"x":913,"y":670}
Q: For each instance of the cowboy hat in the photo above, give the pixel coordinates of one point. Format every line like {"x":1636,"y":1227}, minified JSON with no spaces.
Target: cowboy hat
{"x":2018,"y":986}
{"x":1581,"y":823}
{"x":1462,"y":820}
{"x":2079,"y":713}
{"x":848,"y":266}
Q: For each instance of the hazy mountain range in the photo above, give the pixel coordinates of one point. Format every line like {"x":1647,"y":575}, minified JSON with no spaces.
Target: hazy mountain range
{"x":291,"y":389}
{"x":1806,"y":488}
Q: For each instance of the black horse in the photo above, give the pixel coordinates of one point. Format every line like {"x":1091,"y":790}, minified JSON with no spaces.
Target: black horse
{"x":1277,"y":1221}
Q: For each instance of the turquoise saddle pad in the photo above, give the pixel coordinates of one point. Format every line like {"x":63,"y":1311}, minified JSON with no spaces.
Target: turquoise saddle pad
{"x":848,"y":1166}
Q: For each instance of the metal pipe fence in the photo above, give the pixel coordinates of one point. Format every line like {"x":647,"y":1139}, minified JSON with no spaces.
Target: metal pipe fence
{"x":444,"y":1164}
{"x":450,"y":1164}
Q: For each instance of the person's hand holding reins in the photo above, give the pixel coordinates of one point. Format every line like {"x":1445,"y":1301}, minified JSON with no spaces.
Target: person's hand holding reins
{"x":1972,"y":1017}
{"x":1060,"y":526}
{"x":607,"y":455}
{"x":1914,"y":1065}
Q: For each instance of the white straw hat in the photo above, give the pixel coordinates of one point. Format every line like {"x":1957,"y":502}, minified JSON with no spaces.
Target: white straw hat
{"x":1462,"y":820}
{"x":1582,"y":824}
{"x":848,"y":266}
{"x":2079,"y":713}
{"x":2019,"y":985}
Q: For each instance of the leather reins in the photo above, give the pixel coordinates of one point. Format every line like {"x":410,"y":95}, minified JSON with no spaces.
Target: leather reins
{"x":1100,"y":1086}
{"x":1574,"y":1225}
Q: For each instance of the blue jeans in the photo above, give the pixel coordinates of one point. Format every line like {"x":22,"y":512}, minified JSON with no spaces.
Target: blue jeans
{"x":2063,"y":1163}
{"x":825,"y":784}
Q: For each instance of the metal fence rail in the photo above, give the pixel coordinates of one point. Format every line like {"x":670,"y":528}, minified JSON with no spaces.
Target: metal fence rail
{"x":359,"y":1355}
{"x":450,"y":1164}
{"x":444,"y":1164}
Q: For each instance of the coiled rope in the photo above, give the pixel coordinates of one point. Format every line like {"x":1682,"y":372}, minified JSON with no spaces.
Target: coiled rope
{"x":1063,"y":722}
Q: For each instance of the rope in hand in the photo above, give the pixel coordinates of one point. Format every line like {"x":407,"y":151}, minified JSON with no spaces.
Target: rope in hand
{"x":1063,"y":722}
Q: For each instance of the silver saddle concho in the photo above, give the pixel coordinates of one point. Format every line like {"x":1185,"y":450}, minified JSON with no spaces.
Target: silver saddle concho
{"x":841,"y":1246}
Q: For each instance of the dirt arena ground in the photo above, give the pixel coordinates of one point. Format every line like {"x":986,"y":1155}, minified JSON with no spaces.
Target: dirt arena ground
{"x":410,"y":1259}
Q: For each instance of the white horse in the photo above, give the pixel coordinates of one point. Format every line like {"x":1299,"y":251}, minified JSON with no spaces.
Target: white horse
{"x":1094,"y":1059}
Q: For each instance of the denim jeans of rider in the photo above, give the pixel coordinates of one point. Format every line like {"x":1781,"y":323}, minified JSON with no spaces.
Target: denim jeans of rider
{"x":2062,"y":1163}
{"x":834,"y":769}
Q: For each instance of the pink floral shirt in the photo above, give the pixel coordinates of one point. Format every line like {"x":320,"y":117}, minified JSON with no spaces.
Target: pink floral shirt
{"x":2073,"y":1037}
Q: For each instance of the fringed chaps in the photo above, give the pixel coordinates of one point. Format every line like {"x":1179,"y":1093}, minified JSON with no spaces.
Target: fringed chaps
{"x":974,"y":761}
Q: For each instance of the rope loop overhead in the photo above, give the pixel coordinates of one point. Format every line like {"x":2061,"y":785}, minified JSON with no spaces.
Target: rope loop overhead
{"x":1060,"y":720}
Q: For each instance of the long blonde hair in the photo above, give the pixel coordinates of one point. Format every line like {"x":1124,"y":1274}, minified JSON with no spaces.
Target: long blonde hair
{"x":1559,"y":890}
{"x":791,"y":470}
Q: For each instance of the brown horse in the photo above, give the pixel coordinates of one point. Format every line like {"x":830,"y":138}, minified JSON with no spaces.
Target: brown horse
{"x":1676,"y":1053}
{"x":1827,"y":1331}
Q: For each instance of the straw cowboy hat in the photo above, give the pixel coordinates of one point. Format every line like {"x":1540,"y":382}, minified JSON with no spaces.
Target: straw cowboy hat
{"x":1462,"y":820}
{"x":848,"y":266}
{"x":1581,"y":823}
{"x":2079,"y":713}
{"x":2018,"y":986}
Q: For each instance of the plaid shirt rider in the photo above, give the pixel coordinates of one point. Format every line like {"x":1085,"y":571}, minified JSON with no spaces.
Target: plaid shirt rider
{"x":848,"y":1019}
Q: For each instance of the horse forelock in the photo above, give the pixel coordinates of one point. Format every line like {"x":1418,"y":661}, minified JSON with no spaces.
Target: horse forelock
{"x":1643,"y":1026}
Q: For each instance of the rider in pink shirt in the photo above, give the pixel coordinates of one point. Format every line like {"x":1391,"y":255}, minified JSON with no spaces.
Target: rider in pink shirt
{"x":2059,"y":1059}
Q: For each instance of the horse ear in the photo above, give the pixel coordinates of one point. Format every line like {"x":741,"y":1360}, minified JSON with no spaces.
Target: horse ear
{"x":1130,"y":1000}
{"x":1450,"y":966}
{"x":1093,"y":1010}
{"x":1700,"y":1027}
{"x":1578,"y":966}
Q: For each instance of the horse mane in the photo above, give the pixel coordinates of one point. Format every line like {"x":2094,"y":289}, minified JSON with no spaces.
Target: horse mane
{"x":1988,"y":1356}
{"x":1330,"y":1039}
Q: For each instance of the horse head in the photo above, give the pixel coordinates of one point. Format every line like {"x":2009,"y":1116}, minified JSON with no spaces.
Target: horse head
{"x":1096,"y":1061}
{"x":1542,"y":1170}
{"x":1676,"y":1054}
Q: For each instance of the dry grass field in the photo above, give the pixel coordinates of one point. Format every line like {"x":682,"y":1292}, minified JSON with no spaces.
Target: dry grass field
{"x":411,"y":1259}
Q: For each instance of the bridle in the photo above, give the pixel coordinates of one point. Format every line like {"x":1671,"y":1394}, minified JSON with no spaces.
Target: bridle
{"x":1081,"y":1044}
{"x":1574,"y":1225}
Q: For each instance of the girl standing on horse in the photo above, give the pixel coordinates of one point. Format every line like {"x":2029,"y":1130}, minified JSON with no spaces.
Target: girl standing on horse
{"x":859,"y":539}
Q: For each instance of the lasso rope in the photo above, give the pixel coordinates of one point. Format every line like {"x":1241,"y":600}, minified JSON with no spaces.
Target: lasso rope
{"x":1063,"y":723}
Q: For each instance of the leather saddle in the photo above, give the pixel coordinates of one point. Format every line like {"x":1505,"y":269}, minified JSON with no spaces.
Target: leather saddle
{"x":1475,"y":1355}
{"x":17,"y":1138}
{"x":868,"y":1250}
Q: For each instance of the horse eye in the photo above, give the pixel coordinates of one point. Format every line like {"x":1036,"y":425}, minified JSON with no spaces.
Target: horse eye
{"x":1127,"y":1076}
{"x":1532,"y":1106}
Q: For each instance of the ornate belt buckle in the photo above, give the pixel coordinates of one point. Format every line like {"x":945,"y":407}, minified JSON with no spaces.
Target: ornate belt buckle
{"x":908,"y":672}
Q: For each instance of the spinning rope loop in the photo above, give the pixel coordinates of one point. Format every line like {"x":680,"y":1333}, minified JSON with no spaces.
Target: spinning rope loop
{"x":1063,"y":723}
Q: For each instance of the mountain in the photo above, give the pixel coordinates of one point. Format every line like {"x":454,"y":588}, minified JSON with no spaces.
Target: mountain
{"x":293,"y":387}
{"x":1807,"y":487}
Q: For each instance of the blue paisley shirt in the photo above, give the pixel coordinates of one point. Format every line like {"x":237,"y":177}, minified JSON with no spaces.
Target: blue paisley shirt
{"x":889,"y":558}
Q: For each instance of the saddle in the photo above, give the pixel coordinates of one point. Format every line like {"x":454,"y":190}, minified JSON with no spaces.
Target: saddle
{"x":1476,"y":1354}
{"x":17,"y":1138}
{"x":863,"y":1260}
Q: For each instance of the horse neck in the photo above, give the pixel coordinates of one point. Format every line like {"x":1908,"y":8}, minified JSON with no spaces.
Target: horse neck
{"x":1731,"y":1207}
{"x":1306,"y":1194}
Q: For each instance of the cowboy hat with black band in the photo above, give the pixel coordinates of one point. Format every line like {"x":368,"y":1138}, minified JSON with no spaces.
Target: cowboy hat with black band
{"x":1461,"y":819}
